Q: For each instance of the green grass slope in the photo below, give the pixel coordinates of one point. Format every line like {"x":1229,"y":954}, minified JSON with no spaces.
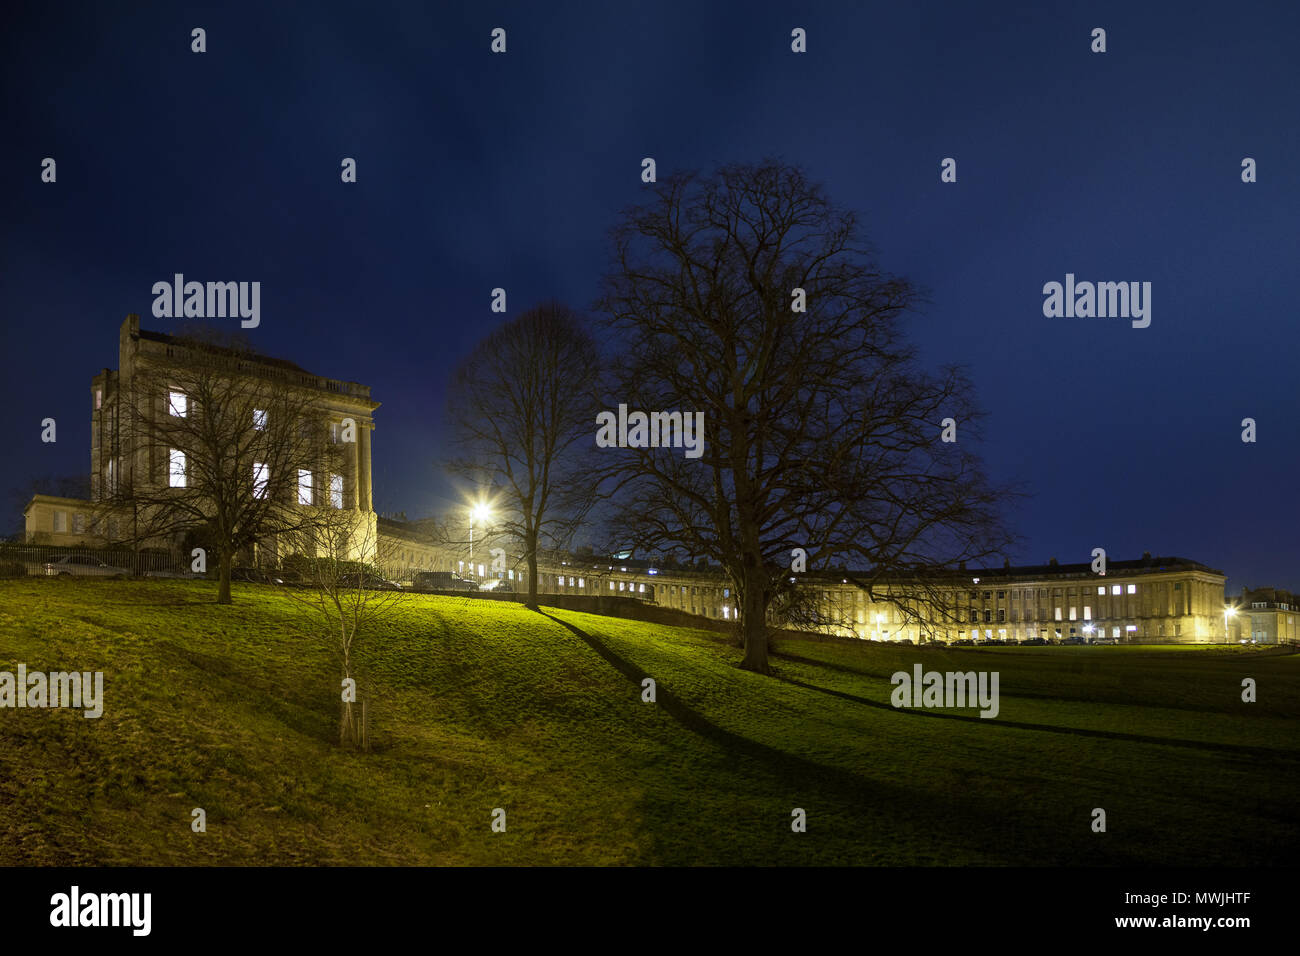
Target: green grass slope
{"x":478,"y":705}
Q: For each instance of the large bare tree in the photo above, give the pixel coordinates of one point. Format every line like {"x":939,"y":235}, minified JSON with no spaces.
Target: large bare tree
{"x":522,"y":406}
{"x":217,"y":440}
{"x":749,"y":297}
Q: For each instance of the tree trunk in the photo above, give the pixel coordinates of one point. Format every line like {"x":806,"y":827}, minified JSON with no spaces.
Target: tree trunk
{"x":223,"y":586}
{"x":753,"y":625}
{"x":530,"y":543}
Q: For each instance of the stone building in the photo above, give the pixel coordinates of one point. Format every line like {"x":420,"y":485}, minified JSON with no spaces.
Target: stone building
{"x":119,"y":396}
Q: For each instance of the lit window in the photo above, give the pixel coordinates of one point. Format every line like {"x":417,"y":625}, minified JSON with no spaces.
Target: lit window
{"x":641,"y":589}
{"x":460,"y":565}
{"x":1101,"y":589}
{"x":511,"y":574}
{"x":99,"y":398}
{"x":582,"y":583}
{"x":1131,"y":627}
{"x":261,"y":475}
{"x":259,"y":419}
{"x":1087,"y":612}
{"x":611,"y":585}
{"x":570,"y":582}
{"x":1114,"y":589}
{"x":1114,"y":632}
{"x":480,"y":570}
{"x":620,"y":585}
{"x":726,"y":612}
{"x":336,"y":491}
{"x":1073,"y":615}
{"x":1058,"y":613}
{"x":304,"y":486}
{"x":176,"y":473}
{"x":177,"y":404}
{"x":1132,"y":589}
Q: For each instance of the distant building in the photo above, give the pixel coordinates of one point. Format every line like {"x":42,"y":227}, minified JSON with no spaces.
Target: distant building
{"x":116,"y":456}
{"x":1267,"y":616}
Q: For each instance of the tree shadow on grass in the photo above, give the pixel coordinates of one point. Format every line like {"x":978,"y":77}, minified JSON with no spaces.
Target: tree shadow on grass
{"x":976,"y":831}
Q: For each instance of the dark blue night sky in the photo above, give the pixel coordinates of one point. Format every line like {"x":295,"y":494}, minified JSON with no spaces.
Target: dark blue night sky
{"x":479,"y":170}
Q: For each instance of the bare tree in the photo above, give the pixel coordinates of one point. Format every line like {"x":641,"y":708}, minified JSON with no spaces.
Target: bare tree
{"x":523,"y":406}
{"x":749,"y":298}
{"x":342,"y":599}
{"x":219,"y":446}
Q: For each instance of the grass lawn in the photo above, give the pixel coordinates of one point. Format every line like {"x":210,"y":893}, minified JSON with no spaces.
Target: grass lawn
{"x":482,"y":704}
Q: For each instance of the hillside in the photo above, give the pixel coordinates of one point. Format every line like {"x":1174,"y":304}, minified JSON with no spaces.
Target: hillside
{"x":481,"y":704}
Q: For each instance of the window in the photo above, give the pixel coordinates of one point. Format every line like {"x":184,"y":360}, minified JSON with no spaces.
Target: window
{"x":974,"y":595}
{"x":60,"y":521}
{"x":611,"y":585}
{"x":480,"y":570}
{"x":1114,"y":589}
{"x":261,"y":475}
{"x":336,"y":491}
{"x":511,"y":574}
{"x":1114,"y":632}
{"x":1073,"y":613}
{"x":259,"y":419}
{"x":1259,"y":604}
{"x":620,"y":585}
{"x":1132,"y":589}
{"x":1002,"y":615}
{"x":582,"y":583}
{"x":99,"y":398}
{"x":1178,"y":585}
{"x":641,"y":589}
{"x":1001,"y":595}
{"x":304,"y":486}
{"x":1058,"y":613}
{"x":334,"y":432}
{"x":1131,"y":627}
{"x":1101,"y":589}
{"x":987,"y":595}
{"x":974,"y":616}
{"x":1087,"y":612}
{"x":177,"y":404}
{"x":176,"y":472}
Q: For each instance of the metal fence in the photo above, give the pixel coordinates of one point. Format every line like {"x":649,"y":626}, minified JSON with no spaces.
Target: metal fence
{"x":92,"y":562}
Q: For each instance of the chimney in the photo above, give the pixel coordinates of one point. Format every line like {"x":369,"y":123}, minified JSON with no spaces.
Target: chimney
{"x":1052,"y":562}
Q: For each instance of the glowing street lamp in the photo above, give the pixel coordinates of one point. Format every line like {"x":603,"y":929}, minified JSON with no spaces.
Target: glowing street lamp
{"x":1228,"y":611}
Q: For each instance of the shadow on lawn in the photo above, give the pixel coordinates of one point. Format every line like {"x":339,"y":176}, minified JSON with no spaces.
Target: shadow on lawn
{"x":986,"y":830}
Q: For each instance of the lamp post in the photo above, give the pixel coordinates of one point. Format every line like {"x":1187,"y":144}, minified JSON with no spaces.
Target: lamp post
{"x":481,"y":512}
{"x":1228,"y":611}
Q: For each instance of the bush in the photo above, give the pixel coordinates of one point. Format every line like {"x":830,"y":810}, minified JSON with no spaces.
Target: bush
{"x":12,"y":569}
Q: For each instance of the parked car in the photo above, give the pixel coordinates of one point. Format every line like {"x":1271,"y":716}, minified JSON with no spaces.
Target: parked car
{"x":255,"y":576}
{"x":368,"y":581}
{"x":963,"y":642}
{"x":498,"y":585}
{"x":1072,"y":640}
{"x":82,"y":565}
{"x":935,"y":643}
{"x":442,"y":581}
{"x":1035,"y":641}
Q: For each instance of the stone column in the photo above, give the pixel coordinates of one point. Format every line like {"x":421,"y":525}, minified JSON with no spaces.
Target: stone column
{"x":366,"y":502}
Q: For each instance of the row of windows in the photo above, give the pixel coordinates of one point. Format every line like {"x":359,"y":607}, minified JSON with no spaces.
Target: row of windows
{"x":178,"y":406}
{"x":177,"y":478}
{"x":1056,"y":592}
